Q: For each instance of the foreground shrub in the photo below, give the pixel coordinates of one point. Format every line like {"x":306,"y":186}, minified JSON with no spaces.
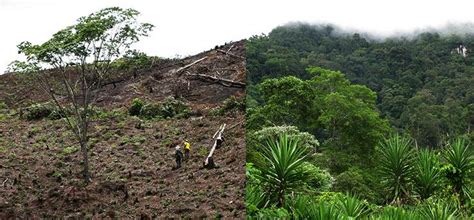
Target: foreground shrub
{"x":50,"y":111}
{"x":256,"y":139}
{"x":3,"y":111}
{"x":438,"y":210}
{"x":38,"y":111}
{"x":318,"y":180}
{"x":3,"y":107}
{"x":172,"y":107}
{"x":255,"y":199}
{"x":169,"y":108}
{"x":304,"y":207}
{"x":351,"y":207}
{"x":427,"y":173}
{"x":459,"y":167}
{"x":230,"y":105}
{"x":395,"y":213}
{"x":134,"y":61}
{"x":282,"y":171}
{"x":136,"y":107}
{"x":360,"y":182}
{"x":150,"y":111}
{"x":271,"y":213}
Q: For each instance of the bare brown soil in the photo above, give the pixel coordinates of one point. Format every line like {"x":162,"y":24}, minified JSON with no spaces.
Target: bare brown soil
{"x":131,"y":166}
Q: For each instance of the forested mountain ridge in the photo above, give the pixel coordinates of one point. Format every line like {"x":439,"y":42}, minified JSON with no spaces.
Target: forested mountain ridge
{"x":424,"y":83}
{"x":345,"y":126}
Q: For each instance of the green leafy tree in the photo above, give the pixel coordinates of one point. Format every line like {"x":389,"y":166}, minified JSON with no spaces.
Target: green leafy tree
{"x":327,"y":105}
{"x":423,"y":119}
{"x":348,"y":111}
{"x":287,"y":101}
{"x":72,"y":66}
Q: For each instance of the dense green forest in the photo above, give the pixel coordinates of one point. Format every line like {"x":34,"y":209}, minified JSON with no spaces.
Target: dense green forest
{"x":342,"y":125}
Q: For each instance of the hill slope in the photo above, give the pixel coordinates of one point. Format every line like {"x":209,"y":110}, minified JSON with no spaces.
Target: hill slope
{"x":131,"y":159}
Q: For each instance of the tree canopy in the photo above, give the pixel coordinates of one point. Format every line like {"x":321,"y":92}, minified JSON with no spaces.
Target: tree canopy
{"x":423,"y":85}
{"x":339,"y":113}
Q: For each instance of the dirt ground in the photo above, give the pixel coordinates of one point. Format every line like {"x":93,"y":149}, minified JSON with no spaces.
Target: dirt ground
{"x":131,"y":165}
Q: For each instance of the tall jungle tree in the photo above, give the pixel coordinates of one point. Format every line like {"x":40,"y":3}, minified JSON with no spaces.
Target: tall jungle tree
{"x":337,"y":112}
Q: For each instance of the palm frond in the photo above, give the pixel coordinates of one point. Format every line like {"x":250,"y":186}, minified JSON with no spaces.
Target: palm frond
{"x":460,"y":164}
{"x":396,"y":165}
{"x":281,"y":172}
{"x":427,"y":173}
{"x":351,"y":207}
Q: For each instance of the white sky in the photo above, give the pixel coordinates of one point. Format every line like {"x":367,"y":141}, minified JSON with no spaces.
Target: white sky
{"x":188,"y":27}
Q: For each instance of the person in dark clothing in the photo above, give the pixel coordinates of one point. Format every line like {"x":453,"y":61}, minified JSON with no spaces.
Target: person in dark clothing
{"x":179,"y":156}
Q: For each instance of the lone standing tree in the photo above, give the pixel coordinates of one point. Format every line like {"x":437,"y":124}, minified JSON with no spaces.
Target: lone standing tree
{"x":79,"y":58}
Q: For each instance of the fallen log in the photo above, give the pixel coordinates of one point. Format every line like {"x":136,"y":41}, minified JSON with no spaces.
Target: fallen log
{"x":114,"y":82}
{"x":218,"y":139}
{"x":189,"y":65}
{"x":235,"y":125}
{"x":230,"y":48}
{"x":231,"y":54}
{"x":224,"y":82}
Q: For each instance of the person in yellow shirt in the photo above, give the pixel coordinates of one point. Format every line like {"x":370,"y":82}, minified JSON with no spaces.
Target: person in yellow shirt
{"x":187,"y":149}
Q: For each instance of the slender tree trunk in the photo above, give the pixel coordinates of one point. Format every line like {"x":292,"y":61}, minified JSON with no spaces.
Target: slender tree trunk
{"x":86,"y":161}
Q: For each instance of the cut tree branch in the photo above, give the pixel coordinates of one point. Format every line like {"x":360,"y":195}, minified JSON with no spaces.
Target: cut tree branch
{"x":224,"y":82}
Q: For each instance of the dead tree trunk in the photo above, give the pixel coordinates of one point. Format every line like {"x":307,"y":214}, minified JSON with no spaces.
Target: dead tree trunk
{"x":189,"y":65}
{"x":218,"y":139}
{"x":224,"y":82}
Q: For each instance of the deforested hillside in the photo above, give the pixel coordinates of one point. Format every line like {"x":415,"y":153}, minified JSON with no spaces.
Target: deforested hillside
{"x":131,"y":153}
